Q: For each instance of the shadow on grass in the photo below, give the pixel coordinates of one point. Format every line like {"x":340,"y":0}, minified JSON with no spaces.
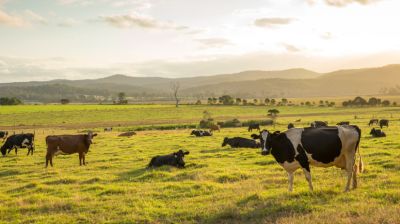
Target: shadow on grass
{"x":259,"y":209}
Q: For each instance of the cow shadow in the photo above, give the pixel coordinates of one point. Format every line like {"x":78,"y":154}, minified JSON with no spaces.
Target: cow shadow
{"x":258,"y":209}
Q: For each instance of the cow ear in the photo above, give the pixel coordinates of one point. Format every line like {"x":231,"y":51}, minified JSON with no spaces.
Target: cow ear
{"x":95,"y":134}
{"x":255,"y":136}
{"x":186,"y":153}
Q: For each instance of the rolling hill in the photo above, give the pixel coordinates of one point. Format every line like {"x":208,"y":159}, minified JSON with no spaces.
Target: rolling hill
{"x":286,"y":83}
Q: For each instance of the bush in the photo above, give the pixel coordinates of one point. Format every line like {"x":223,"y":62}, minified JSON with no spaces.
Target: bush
{"x":230,"y":123}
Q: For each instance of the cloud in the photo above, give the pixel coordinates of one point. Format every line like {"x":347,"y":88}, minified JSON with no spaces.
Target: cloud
{"x":290,"y":48}
{"x":67,"y":23}
{"x":139,"y":20}
{"x":343,"y":3}
{"x":11,"y":20}
{"x":327,"y":36}
{"x":214,"y":42}
{"x":34,"y":17}
{"x":271,"y":22}
{"x":79,"y":2}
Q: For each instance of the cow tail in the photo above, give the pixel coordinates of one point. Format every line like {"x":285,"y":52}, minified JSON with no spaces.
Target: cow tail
{"x":360,"y":162}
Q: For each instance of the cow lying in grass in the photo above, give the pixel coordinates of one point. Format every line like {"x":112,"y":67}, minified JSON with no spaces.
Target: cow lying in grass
{"x":239,"y":142}
{"x":127,"y":134}
{"x":377,"y":133}
{"x":68,"y":144}
{"x":174,"y":159}
{"x":200,"y":133}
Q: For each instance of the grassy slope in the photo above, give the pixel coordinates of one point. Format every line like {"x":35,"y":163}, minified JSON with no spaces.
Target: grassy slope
{"x":219,"y":185}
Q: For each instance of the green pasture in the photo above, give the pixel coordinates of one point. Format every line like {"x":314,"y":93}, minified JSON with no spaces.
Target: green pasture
{"x":219,"y":184}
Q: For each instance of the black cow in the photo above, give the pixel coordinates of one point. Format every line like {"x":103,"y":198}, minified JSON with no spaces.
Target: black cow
{"x":108,"y":129}
{"x":200,"y":133}
{"x":318,"y":124}
{"x":239,"y":142}
{"x":19,"y":141}
{"x":174,"y":159}
{"x":343,"y":123}
{"x":3,"y":135}
{"x":290,"y":126}
{"x":254,"y":126}
{"x":373,"y":121}
{"x":324,"y":147}
{"x":384,"y":122}
{"x":377,"y":133}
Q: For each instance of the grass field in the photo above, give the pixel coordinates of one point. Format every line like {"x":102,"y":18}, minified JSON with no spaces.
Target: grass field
{"x":219,"y":184}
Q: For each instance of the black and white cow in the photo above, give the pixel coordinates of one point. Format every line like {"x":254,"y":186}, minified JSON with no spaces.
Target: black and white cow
{"x":200,"y":133}
{"x":174,"y":159}
{"x":343,"y":123}
{"x":318,"y":124}
{"x":239,"y":142}
{"x":18,"y":141}
{"x":324,"y":147}
{"x":3,"y":135}
{"x":384,"y":122}
{"x":373,"y":121}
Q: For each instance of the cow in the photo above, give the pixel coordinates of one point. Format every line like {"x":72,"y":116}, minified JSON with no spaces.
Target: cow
{"x":3,"y":135}
{"x":324,"y":147}
{"x":108,"y":129}
{"x":175,"y":159}
{"x":19,"y":141}
{"x":383,"y":122}
{"x":318,"y":124}
{"x":373,"y":121}
{"x":290,"y":126}
{"x":127,"y":134}
{"x":253,"y":126}
{"x":298,"y":120}
{"x":377,"y":133}
{"x":343,"y":123}
{"x":200,"y":133}
{"x":239,"y":142}
{"x":68,"y":144}
{"x":215,"y":127}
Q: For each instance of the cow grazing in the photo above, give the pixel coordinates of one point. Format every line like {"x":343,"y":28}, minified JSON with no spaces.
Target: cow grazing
{"x":383,"y":122}
{"x":68,"y":144}
{"x":343,"y":123}
{"x":318,"y":124}
{"x":373,"y":121}
{"x":239,"y":142}
{"x":3,"y":135}
{"x":215,"y":127}
{"x":290,"y":126}
{"x":200,"y":133}
{"x":254,"y":126}
{"x":127,"y":134}
{"x":108,"y":129}
{"x":323,"y":147}
{"x":377,"y":133}
{"x":19,"y":141}
{"x":174,"y":159}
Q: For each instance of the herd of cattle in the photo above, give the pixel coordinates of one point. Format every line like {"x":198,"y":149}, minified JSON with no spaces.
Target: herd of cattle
{"x":318,"y":145}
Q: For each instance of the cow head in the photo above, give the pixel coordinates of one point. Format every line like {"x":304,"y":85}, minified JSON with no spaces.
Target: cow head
{"x":179,"y":157}
{"x":373,"y":131}
{"x":225,"y":142}
{"x":89,"y":137}
{"x":265,"y":138}
{"x":193,"y":132}
{"x":4,"y":149}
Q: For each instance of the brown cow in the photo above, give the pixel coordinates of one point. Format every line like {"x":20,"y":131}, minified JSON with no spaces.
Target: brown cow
{"x":215,"y":127}
{"x":127,"y":134}
{"x":68,"y":144}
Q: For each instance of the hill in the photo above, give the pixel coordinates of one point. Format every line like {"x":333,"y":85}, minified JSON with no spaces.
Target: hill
{"x":285,"y":83}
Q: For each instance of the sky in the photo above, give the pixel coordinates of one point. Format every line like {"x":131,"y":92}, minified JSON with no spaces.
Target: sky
{"x":79,"y":39}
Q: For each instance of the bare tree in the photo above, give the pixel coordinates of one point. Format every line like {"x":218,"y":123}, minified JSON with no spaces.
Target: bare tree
{"x":175,"y":90}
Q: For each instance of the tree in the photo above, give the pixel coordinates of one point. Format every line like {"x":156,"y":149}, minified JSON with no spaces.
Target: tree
{"x":175,"y":86}
{"x":372,"y":101}
{"x":122,"y":98}
{"x":238,"y":101}
{"x":244,"y":102}
{"x":255,"y":101}
{"x":386,"y":103}
{"x":273,"y":112}
{"x":10,"y":101}
{"x":273,"y":101}
{"x":226,"y":100}
{"x":284,"y":101}
{"x":198,"y":102}
{"x":267,"y":101}
{"x":210,"y":100}
{"x":64,"y":101}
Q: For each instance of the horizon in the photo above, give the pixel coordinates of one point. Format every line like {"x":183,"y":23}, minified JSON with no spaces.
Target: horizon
{"x":86,"y":39}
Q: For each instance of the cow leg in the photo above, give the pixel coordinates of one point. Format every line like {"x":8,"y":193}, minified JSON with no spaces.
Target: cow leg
{"x":303,"y":160}
{"x":49,"y":158}
{"x":355,"y":169}
{"x":290,"y":178}
{"x":84,"y":157}
{"x":80,"y":159}
{"x":349,"y":170}
{"x":16,"y":150}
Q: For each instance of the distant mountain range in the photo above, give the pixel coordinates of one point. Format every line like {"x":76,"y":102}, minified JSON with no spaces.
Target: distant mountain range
{"x":248,"y":84}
